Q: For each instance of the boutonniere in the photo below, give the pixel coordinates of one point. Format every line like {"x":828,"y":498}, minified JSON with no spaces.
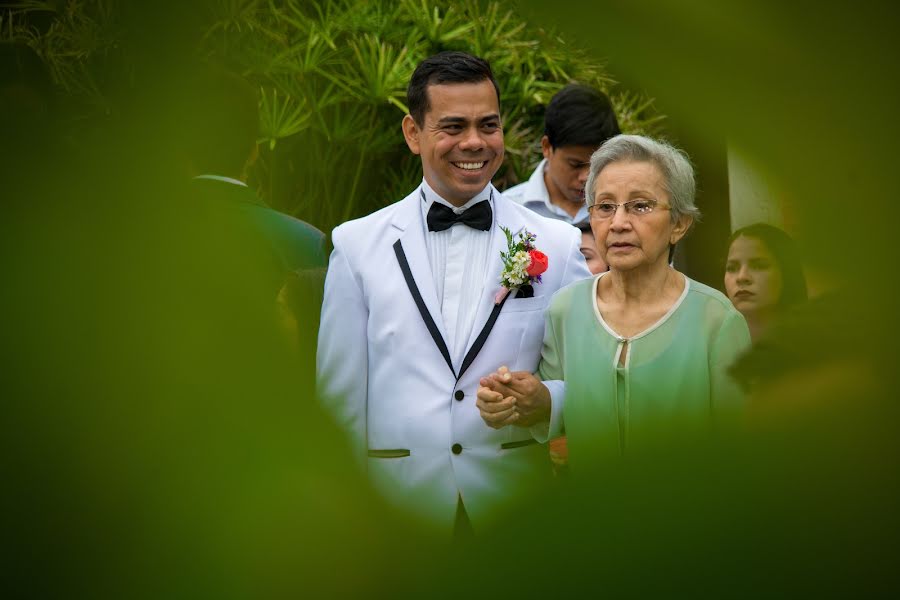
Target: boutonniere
{"x":522,"y":262}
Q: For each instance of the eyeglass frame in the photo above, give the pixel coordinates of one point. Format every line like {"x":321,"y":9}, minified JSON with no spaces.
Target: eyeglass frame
{"x":654,"y":204}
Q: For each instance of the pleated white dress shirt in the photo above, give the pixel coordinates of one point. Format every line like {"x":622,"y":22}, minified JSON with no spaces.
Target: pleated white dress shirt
{"x":458,"y":257}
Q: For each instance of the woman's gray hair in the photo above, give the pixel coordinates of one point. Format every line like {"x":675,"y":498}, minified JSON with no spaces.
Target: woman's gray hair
{"x":678,"y":174}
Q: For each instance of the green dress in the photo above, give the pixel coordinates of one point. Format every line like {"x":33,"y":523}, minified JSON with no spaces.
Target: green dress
{"x":673,"y":383}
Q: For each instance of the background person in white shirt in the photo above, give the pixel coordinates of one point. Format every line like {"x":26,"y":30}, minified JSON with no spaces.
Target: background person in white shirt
{"x":578,"y":120}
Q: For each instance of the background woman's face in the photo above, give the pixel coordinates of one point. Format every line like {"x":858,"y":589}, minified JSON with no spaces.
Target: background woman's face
{"x":752,"y":276}
{"x":591,"y":256}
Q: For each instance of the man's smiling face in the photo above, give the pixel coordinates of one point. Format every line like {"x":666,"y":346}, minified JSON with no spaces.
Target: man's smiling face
{"x":460,"y":140}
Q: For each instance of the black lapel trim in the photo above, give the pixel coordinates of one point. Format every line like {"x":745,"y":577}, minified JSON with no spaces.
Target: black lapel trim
{"x":482,"y":337}
{"x":423,"y":310}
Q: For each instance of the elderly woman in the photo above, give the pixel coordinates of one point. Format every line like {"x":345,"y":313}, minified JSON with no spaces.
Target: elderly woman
{"x":763,"y":275}
{"x":642,"y":349}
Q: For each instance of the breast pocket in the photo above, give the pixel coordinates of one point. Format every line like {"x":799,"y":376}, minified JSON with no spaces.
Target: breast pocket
{"x":524,"y":304}
{"x":528,"y":316}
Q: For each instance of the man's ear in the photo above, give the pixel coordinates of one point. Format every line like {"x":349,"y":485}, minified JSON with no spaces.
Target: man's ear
{"x":411,"y":133}
{"x":681,"y":227}
{"x":546,"y":148}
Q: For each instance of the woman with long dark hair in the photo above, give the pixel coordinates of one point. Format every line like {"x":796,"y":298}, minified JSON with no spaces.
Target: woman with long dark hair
{"x":763,"y":275}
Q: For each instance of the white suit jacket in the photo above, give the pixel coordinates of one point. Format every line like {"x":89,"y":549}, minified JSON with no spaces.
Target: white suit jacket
{"x":385,"y":373}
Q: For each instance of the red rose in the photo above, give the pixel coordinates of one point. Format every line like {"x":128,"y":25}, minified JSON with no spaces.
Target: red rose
{"x":538,"y":264}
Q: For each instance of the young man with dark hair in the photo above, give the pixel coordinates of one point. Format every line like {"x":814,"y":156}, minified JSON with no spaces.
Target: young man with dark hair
{"x":412,"y":319}
{"x":578,"y":120}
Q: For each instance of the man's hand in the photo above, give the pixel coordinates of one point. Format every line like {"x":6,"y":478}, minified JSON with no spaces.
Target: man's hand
{"x":512,"y":398}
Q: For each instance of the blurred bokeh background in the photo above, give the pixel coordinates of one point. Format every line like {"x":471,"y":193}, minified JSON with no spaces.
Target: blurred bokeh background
{"x":160,"y":438}
{"x":331,"y":78}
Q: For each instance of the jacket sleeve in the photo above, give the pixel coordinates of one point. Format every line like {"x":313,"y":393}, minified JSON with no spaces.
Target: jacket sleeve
{"x":342,"y":356}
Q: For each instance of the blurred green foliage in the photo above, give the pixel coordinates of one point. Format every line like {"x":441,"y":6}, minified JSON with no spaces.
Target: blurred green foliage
{"x":158,"y":441}
{"x":332,"y":79}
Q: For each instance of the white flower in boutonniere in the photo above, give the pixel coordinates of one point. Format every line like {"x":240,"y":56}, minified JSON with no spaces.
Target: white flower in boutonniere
{"x":522,"y":262}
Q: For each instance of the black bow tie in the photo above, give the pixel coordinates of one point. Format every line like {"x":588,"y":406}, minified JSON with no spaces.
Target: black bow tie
{"x":478,"y":216}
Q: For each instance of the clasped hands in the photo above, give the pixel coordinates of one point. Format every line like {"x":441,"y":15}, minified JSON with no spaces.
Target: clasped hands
{"x":512,"y":398}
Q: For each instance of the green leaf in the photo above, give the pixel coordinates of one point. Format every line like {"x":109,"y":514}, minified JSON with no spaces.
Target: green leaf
{"x":333,"y":75}
{"x":281,"y":116}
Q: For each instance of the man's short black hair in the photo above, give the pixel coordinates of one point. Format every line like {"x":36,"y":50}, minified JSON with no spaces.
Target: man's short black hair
{"x":579,"y":115}
{"x":445,"y":67}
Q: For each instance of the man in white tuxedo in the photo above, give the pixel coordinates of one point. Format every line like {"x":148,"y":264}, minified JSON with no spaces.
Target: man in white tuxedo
{"x":410,"y":320}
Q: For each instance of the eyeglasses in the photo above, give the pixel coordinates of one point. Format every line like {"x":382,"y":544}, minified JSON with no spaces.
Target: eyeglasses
{"x":639,"y":208}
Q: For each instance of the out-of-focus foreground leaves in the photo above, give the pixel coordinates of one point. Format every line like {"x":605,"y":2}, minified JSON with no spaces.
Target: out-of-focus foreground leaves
{"x":332,"y":78}
{"x":159,"y":440}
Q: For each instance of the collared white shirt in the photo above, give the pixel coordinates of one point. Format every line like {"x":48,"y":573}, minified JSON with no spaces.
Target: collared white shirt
{"x":533,"y":194}
{"x":458,"y":257}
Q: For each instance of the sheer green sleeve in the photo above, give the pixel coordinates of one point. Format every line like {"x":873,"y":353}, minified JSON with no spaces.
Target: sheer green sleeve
{"x":551,"y":367}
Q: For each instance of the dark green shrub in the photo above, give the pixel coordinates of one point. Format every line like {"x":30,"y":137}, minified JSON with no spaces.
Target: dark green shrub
{"x":332,"y":79}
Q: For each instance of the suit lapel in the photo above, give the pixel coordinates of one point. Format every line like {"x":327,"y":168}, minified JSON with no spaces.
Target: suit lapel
{"x":412,"y":256}
{"x":488,"y":311}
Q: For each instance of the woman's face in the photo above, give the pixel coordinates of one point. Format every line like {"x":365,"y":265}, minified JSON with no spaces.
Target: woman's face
{"x":591,"y":256}
{"x":752,"y":277}
{"x":626,"y":240}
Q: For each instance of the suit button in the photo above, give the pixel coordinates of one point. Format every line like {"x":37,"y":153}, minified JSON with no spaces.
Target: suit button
{"x":456,"y":448}
{"x":459,"y":395}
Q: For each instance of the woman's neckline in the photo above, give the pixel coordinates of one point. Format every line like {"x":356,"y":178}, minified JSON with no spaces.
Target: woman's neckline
{"x":658,"y":323}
